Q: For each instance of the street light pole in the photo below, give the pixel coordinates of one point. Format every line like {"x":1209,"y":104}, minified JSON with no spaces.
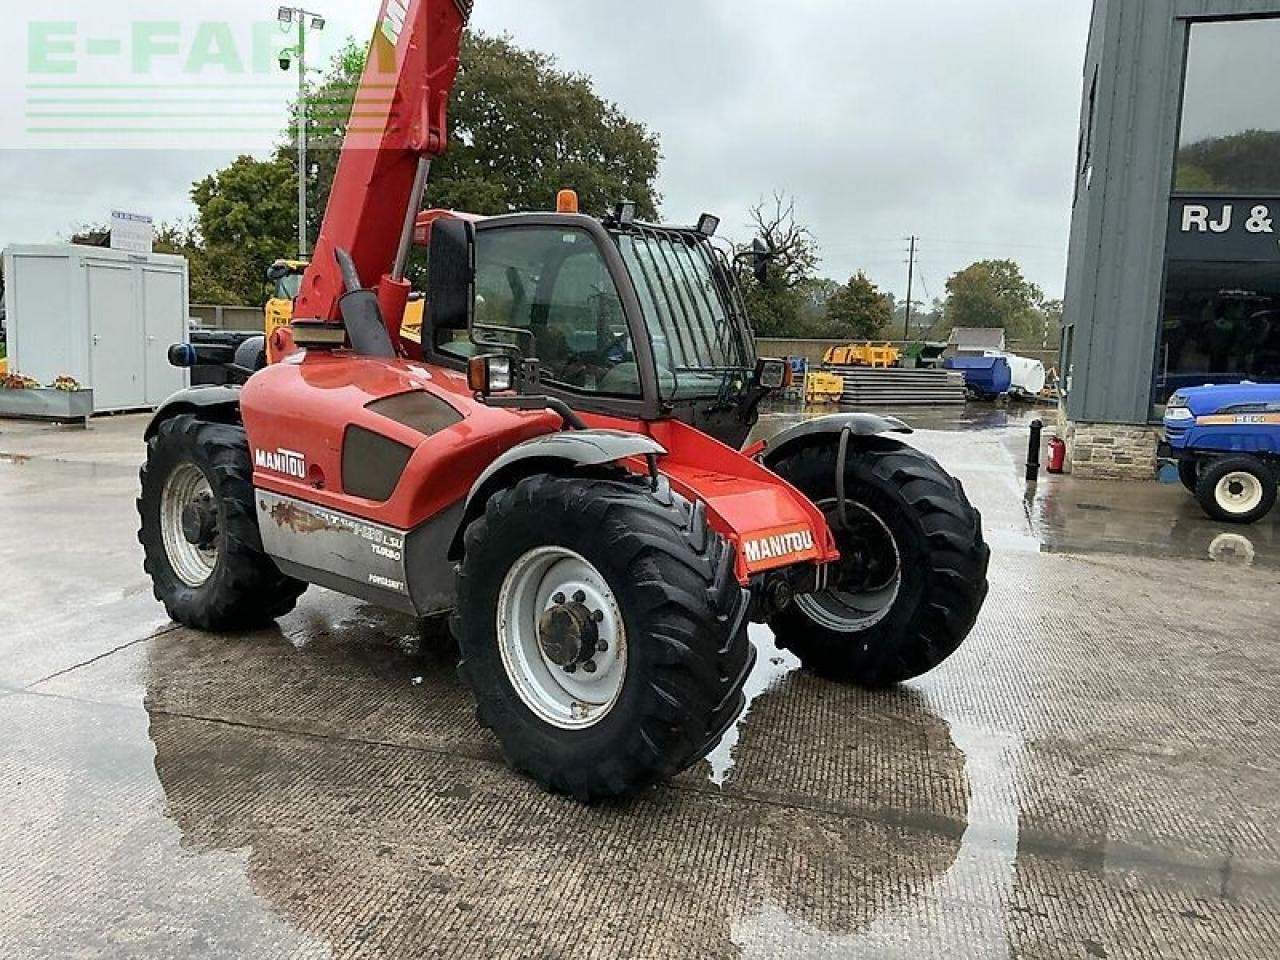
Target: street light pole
{"x":302,"y":135}
{"x":286,"y":15}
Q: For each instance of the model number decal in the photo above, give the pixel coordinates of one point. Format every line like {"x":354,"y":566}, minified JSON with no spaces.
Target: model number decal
{"x":778,"y":546}
{"x":288,"y":463}
{"x":1238,"y":419}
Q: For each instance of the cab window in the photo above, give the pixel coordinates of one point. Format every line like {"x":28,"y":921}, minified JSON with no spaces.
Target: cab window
{"x":555,"y":284}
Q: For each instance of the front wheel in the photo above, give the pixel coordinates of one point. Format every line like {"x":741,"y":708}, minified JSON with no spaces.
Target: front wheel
{"x":602,"y":632}
{"x":1189,"y":474}
{"x":913,"y":570}
{"x":1237,"y":489}
{"x":199,"y":530}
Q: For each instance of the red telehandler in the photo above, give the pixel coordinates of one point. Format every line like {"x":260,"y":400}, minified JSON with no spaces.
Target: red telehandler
{"x":556,"y":463}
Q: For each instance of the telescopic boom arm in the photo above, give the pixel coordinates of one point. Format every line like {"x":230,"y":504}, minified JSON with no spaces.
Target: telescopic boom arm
{"x":399,"y":122}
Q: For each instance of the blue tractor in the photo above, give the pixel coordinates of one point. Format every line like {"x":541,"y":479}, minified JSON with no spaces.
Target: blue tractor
{"x":1225,"y":441}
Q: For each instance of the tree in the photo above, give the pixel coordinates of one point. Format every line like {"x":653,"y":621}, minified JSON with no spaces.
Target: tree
{"x":778,"y":306}
{"x":993,"y":293}
{"x":858,"y":310}
{"x":522,"y":130}
{"x":246,"y":219}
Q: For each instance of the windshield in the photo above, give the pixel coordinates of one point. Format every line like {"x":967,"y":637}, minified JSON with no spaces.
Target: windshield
{"x":692,"y":310}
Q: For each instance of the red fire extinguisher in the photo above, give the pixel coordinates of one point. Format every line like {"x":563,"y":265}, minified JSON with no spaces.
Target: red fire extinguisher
{"x":1057,"y":455}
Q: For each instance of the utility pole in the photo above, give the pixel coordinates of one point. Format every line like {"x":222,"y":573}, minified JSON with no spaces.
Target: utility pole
{"x":302,"y":139}
{"x":911,"y":278}
{"x":286,"y":16}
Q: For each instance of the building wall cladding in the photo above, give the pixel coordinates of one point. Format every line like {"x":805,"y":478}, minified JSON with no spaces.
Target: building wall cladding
{"x":1115,"y":275}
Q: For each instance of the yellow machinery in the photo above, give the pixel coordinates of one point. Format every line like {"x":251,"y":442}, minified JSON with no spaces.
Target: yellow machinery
{"x":823,"y":387}
{"x":286,"y":275}
{"x":863,"y":355}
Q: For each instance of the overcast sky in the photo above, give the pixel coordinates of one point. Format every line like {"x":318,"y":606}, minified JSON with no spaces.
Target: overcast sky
{"x":953,"y":121}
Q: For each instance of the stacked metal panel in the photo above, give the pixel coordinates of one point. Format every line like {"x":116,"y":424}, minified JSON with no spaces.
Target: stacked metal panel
{"x":870,"y":387}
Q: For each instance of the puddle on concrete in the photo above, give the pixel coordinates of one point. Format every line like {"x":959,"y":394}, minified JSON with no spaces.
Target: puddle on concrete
{"x":772,"y":667}
{"x":962,"y":912}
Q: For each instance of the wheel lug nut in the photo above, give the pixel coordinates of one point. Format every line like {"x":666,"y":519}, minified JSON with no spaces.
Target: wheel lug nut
{"x":597,"y":616}
{"x":579,"y":597}
{"x":558,"y":599}
{"x":602,"y":646}
{"x":589,"y":666}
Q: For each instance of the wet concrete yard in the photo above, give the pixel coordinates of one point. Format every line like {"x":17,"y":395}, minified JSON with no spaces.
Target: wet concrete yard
{"x":1093,"y":775}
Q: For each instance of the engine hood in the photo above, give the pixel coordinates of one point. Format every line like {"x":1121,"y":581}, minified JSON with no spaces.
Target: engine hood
{"x":1204,"y":401}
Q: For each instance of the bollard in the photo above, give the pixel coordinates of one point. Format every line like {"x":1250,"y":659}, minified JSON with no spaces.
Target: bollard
{"x":1033,"y":451}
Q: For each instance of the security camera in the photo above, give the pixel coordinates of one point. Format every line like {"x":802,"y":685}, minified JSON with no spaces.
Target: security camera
{"x":286,"y":62}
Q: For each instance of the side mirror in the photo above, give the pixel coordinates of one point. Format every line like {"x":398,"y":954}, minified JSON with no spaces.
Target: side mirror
{"x":761,"y":258}
{"x":772,"y":375}
{"x":451,"y":278}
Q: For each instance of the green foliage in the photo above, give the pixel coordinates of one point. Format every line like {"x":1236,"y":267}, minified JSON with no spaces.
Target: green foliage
{"x":791,"y":300}
{"x":993,"y":293}
{"x":1246,"y":162}
{"x":522,"y":131}
{"x":858,"y":311}
{"x":246,"y":219}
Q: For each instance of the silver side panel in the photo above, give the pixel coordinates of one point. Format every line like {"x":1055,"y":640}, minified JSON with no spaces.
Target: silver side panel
{"x":335,"y":550}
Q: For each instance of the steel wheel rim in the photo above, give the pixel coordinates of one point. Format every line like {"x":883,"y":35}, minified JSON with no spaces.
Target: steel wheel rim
{"x":567,"y":700}
{"x":843,"y":611}
{"x":1239,"y":492}
{"x":192,"y":564}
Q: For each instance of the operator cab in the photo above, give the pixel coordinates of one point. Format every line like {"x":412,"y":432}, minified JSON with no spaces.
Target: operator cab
{"x":624,"y":318}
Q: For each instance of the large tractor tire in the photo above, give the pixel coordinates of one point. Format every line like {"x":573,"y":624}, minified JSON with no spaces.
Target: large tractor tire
{"x":1237,"y":489}
{"x":199,"y":530}
{"x":1189,"y":474}
{"x":913,"y":570}
{"x":602,"y":632}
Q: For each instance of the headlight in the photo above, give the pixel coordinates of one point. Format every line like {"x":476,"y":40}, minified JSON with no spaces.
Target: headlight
{"x":1178,"y":415}
{"x":1176,"y":401}
{"x":490,"y":373}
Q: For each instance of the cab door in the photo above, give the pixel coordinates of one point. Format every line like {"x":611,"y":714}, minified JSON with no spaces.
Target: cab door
{"x":556,"y":288}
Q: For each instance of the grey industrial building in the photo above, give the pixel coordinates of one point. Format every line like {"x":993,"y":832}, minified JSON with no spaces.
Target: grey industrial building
{"x":1174,"y":271}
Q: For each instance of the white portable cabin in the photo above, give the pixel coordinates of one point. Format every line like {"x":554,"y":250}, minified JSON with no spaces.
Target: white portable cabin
{"x":105,"y":317}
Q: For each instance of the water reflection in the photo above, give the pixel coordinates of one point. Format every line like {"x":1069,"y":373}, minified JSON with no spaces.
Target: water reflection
{"x":374,"y":814}
{"x":1071,"y":516}
{"x":961,"y":912}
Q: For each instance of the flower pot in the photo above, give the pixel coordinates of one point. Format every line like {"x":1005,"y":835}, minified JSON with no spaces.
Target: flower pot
{"x":47,"y":404}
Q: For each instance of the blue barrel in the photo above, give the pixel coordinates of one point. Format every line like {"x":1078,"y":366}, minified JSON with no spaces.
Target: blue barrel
{"x":984,"y":376}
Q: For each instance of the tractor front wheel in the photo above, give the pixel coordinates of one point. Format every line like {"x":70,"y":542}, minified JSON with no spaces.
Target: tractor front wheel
{"x":199,"y":530}
{"x":602,"y":632}
{"x":1189,"y":473}
{"x":1236,"y":489}
{"x":913,"y":570}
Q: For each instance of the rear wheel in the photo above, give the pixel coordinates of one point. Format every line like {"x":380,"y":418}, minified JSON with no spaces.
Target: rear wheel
{"x":912,"y":574}
{"x":1237,"y":489}
{"x":199,"y":530}
{"x":602,"y":632}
